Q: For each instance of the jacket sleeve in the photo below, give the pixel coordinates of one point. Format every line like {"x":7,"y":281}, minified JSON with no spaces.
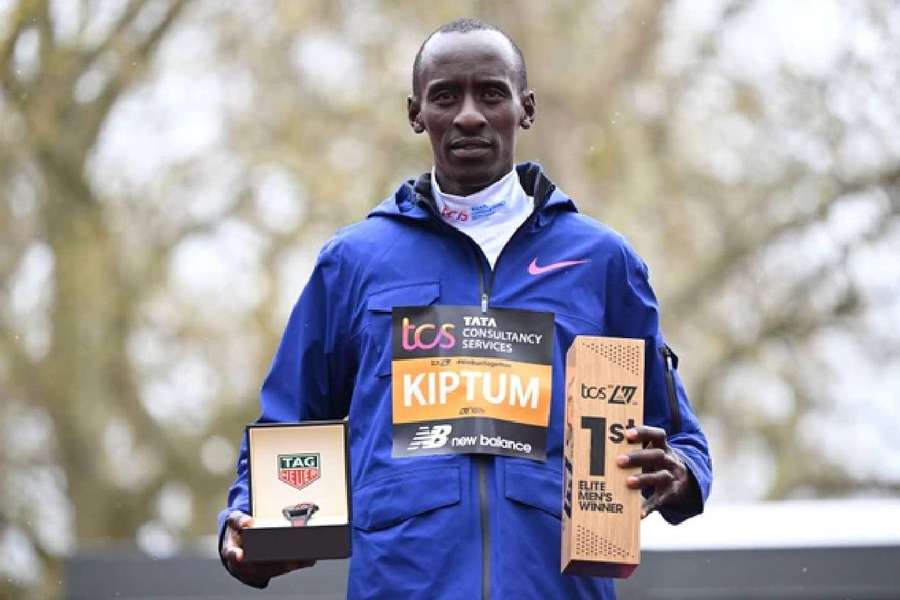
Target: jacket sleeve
{"x":633,"y":311}
{"x":311,"y":376}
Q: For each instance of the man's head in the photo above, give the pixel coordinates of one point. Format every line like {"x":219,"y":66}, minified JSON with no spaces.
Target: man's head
{"x":470,"y":93}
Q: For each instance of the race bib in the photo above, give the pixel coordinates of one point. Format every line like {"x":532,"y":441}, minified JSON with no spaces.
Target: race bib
{"x":470,"y":382}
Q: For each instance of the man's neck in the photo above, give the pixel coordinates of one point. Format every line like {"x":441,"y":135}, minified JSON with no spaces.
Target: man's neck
{"x":501,"y":186}
{"x":466,"y":188}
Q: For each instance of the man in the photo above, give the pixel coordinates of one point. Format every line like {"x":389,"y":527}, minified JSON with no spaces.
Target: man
{"x":475,"y":231}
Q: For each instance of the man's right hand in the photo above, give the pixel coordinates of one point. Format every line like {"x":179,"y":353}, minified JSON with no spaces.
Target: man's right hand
{"x":256,"y":574}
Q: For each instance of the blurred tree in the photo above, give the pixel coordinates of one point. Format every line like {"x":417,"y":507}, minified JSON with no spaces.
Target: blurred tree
{"x":169,"y":170}
{"x":70,"y":366}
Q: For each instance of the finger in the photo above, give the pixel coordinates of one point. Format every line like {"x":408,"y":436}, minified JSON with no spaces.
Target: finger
{"x":649,"y":458}
{"x":232,"y":539}
{"x":234,"y":555}
{"x":238,"y":520}
{"x":658,"y":480}
{"x":647,"y":435}
{"x":649,"y":505}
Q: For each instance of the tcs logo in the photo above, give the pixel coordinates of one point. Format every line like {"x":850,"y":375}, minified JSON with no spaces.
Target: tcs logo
{"x":426,"y":336}
{"x":455,"y":215}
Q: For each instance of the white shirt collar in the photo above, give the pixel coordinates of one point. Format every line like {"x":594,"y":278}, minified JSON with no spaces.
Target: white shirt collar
{"x":502,"y":188}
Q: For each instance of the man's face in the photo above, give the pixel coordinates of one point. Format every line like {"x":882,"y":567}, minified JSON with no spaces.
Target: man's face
{"x":470,"y":104}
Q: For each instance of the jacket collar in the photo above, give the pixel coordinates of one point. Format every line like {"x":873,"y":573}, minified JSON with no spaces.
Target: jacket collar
{"x":413,"y":198}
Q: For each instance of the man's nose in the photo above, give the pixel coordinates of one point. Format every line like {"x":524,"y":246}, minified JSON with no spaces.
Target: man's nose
{"x":469,"y":117}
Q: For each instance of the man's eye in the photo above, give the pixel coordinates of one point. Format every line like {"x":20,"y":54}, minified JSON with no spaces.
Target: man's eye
{"x":442,"y":98}
{"x":493,"y":94}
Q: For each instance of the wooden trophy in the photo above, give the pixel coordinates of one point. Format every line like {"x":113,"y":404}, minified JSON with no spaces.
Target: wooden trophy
{"x":604,"y":397}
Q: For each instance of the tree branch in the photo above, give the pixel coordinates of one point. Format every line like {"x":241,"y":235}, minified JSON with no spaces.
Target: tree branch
{"x":43,"y":20}
{"x":24,"y":12}
{"x":139,"y":58}
{"x":17,"y":25}
{"x":634,"y":45}
{"x":799,"y":321}
{"x":740,"y":247}
{"x":117,"y":35}
{"x":23,"y":371}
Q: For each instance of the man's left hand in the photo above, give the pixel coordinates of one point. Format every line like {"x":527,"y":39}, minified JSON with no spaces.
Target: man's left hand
{"x":663,"y":469}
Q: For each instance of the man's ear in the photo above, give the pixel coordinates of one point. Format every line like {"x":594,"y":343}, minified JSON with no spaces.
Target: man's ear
{"x":413,"y":108}
{"x":528,"y":109}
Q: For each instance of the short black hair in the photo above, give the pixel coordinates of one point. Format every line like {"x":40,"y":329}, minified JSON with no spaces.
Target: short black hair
{"x":466,"y":25}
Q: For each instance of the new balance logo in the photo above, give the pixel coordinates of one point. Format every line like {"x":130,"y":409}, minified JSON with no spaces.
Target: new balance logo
{"x":427,"y":438}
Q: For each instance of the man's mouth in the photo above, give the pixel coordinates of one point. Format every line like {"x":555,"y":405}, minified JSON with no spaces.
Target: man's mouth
{"x":470,"y":147}
{"x":466,"y":143}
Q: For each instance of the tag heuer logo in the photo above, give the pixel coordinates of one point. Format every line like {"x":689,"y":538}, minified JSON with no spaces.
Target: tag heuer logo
{"x":298,"y":470}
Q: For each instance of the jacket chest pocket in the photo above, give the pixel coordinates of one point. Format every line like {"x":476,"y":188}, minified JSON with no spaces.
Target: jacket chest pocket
{"x":378,"y":314}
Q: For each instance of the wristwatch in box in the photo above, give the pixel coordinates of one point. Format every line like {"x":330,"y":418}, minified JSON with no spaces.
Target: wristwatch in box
{"x":299,"y":514}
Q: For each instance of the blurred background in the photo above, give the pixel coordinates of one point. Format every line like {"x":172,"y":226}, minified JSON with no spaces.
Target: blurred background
{"x":169,"y":170}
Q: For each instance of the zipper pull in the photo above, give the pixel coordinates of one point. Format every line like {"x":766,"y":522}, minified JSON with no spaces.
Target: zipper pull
{"x":671,"y":359}
{"x":484,"y":303}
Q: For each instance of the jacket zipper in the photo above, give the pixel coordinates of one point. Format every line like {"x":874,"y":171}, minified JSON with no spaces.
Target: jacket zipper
{"x":486,"y":291}
{"x":671,"y":363}
{"x":481,"y":460}
{"x":481,"y":464}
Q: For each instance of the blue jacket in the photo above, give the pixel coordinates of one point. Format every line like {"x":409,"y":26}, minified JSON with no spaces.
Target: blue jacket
{"x":462,"y":526}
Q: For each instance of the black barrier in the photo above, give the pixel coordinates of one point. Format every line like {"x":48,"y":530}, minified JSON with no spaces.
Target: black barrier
{"x":784,"y":573}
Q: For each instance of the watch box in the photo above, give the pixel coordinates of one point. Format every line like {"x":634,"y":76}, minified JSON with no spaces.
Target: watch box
{"x":299,"y":478}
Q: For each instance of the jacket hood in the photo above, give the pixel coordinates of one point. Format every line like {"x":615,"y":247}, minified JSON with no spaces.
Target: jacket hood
{"x":412,"y":198}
